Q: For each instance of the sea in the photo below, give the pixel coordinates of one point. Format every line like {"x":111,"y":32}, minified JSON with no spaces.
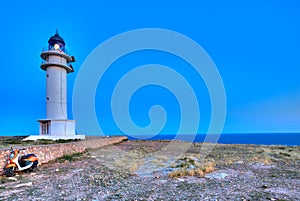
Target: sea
{"x":289,"y":139}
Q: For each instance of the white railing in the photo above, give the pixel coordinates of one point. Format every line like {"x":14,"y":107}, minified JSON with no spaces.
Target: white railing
{"x":65,"y":51}
{"x":55,"y":61}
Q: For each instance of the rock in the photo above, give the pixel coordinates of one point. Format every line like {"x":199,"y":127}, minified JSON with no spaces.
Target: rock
{"x":12,"y":178}
{"x":192,"y":167}
{"x":76,"y":171}
{"x":163,"y":181}
{"x":28,"y":184}
{"x":216,"y":175}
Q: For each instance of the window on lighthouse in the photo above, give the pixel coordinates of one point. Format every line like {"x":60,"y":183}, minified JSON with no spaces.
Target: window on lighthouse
{"x":56,"y":47}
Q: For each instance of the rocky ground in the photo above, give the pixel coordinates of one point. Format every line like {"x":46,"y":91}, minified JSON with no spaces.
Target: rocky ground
{"x":134,"y":170}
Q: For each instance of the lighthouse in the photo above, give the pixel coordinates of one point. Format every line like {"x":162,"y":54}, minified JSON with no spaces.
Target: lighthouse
{"x":57,"y":64}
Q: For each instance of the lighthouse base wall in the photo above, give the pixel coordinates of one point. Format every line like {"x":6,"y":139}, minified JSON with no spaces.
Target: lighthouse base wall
{"x":62,"y":127}
{"x":55,"y":130}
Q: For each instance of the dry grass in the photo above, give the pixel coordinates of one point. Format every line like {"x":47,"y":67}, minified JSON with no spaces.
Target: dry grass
{"x":191,"y":165}
{"x":129,"y":163}
{"x":11,"y":141}
{"x":225,"y":155}
{"x":198,"y":171}
{"x":196,"y":163}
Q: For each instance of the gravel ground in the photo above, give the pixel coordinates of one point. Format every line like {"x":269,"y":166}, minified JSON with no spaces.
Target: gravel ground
{"x":85,"y":177}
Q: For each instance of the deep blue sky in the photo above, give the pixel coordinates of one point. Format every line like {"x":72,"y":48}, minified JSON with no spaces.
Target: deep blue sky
{"x":254,"y":44}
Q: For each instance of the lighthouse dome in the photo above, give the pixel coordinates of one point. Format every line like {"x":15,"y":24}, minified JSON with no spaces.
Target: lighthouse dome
{"x":56,"y":39}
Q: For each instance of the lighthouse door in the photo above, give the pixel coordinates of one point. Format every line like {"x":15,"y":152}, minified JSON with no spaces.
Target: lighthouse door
{"x":45,"y":128}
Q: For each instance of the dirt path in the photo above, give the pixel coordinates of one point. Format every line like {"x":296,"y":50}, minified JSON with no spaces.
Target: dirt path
{"x":242,"y":176}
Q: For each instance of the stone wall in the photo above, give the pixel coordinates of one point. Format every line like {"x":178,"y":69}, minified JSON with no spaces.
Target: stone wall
{"x":46,"y":153}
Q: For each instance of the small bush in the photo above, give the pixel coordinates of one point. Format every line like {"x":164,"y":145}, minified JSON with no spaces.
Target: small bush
{"x":69,"y":157}
{"x":198,"y":171}
{"x":260,"y":151}
{"x":175,"y":174}
{"x":285,"y":154}
{"x":12,"y":141}
{"x":66,"y":141}
{"x":191,"y":172}
{"x":208,"y":168}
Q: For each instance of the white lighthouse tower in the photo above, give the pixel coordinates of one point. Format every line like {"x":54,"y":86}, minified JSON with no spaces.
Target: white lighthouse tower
{"x":57,"y":63}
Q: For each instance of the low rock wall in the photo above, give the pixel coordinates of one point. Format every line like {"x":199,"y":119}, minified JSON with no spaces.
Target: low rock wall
{"x":46,"y":153}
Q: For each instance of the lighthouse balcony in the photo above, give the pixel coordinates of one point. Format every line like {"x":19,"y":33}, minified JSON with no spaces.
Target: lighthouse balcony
{"x":57,"y":62}
{"x":52,"y":52}
{"x":64,"y":49}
